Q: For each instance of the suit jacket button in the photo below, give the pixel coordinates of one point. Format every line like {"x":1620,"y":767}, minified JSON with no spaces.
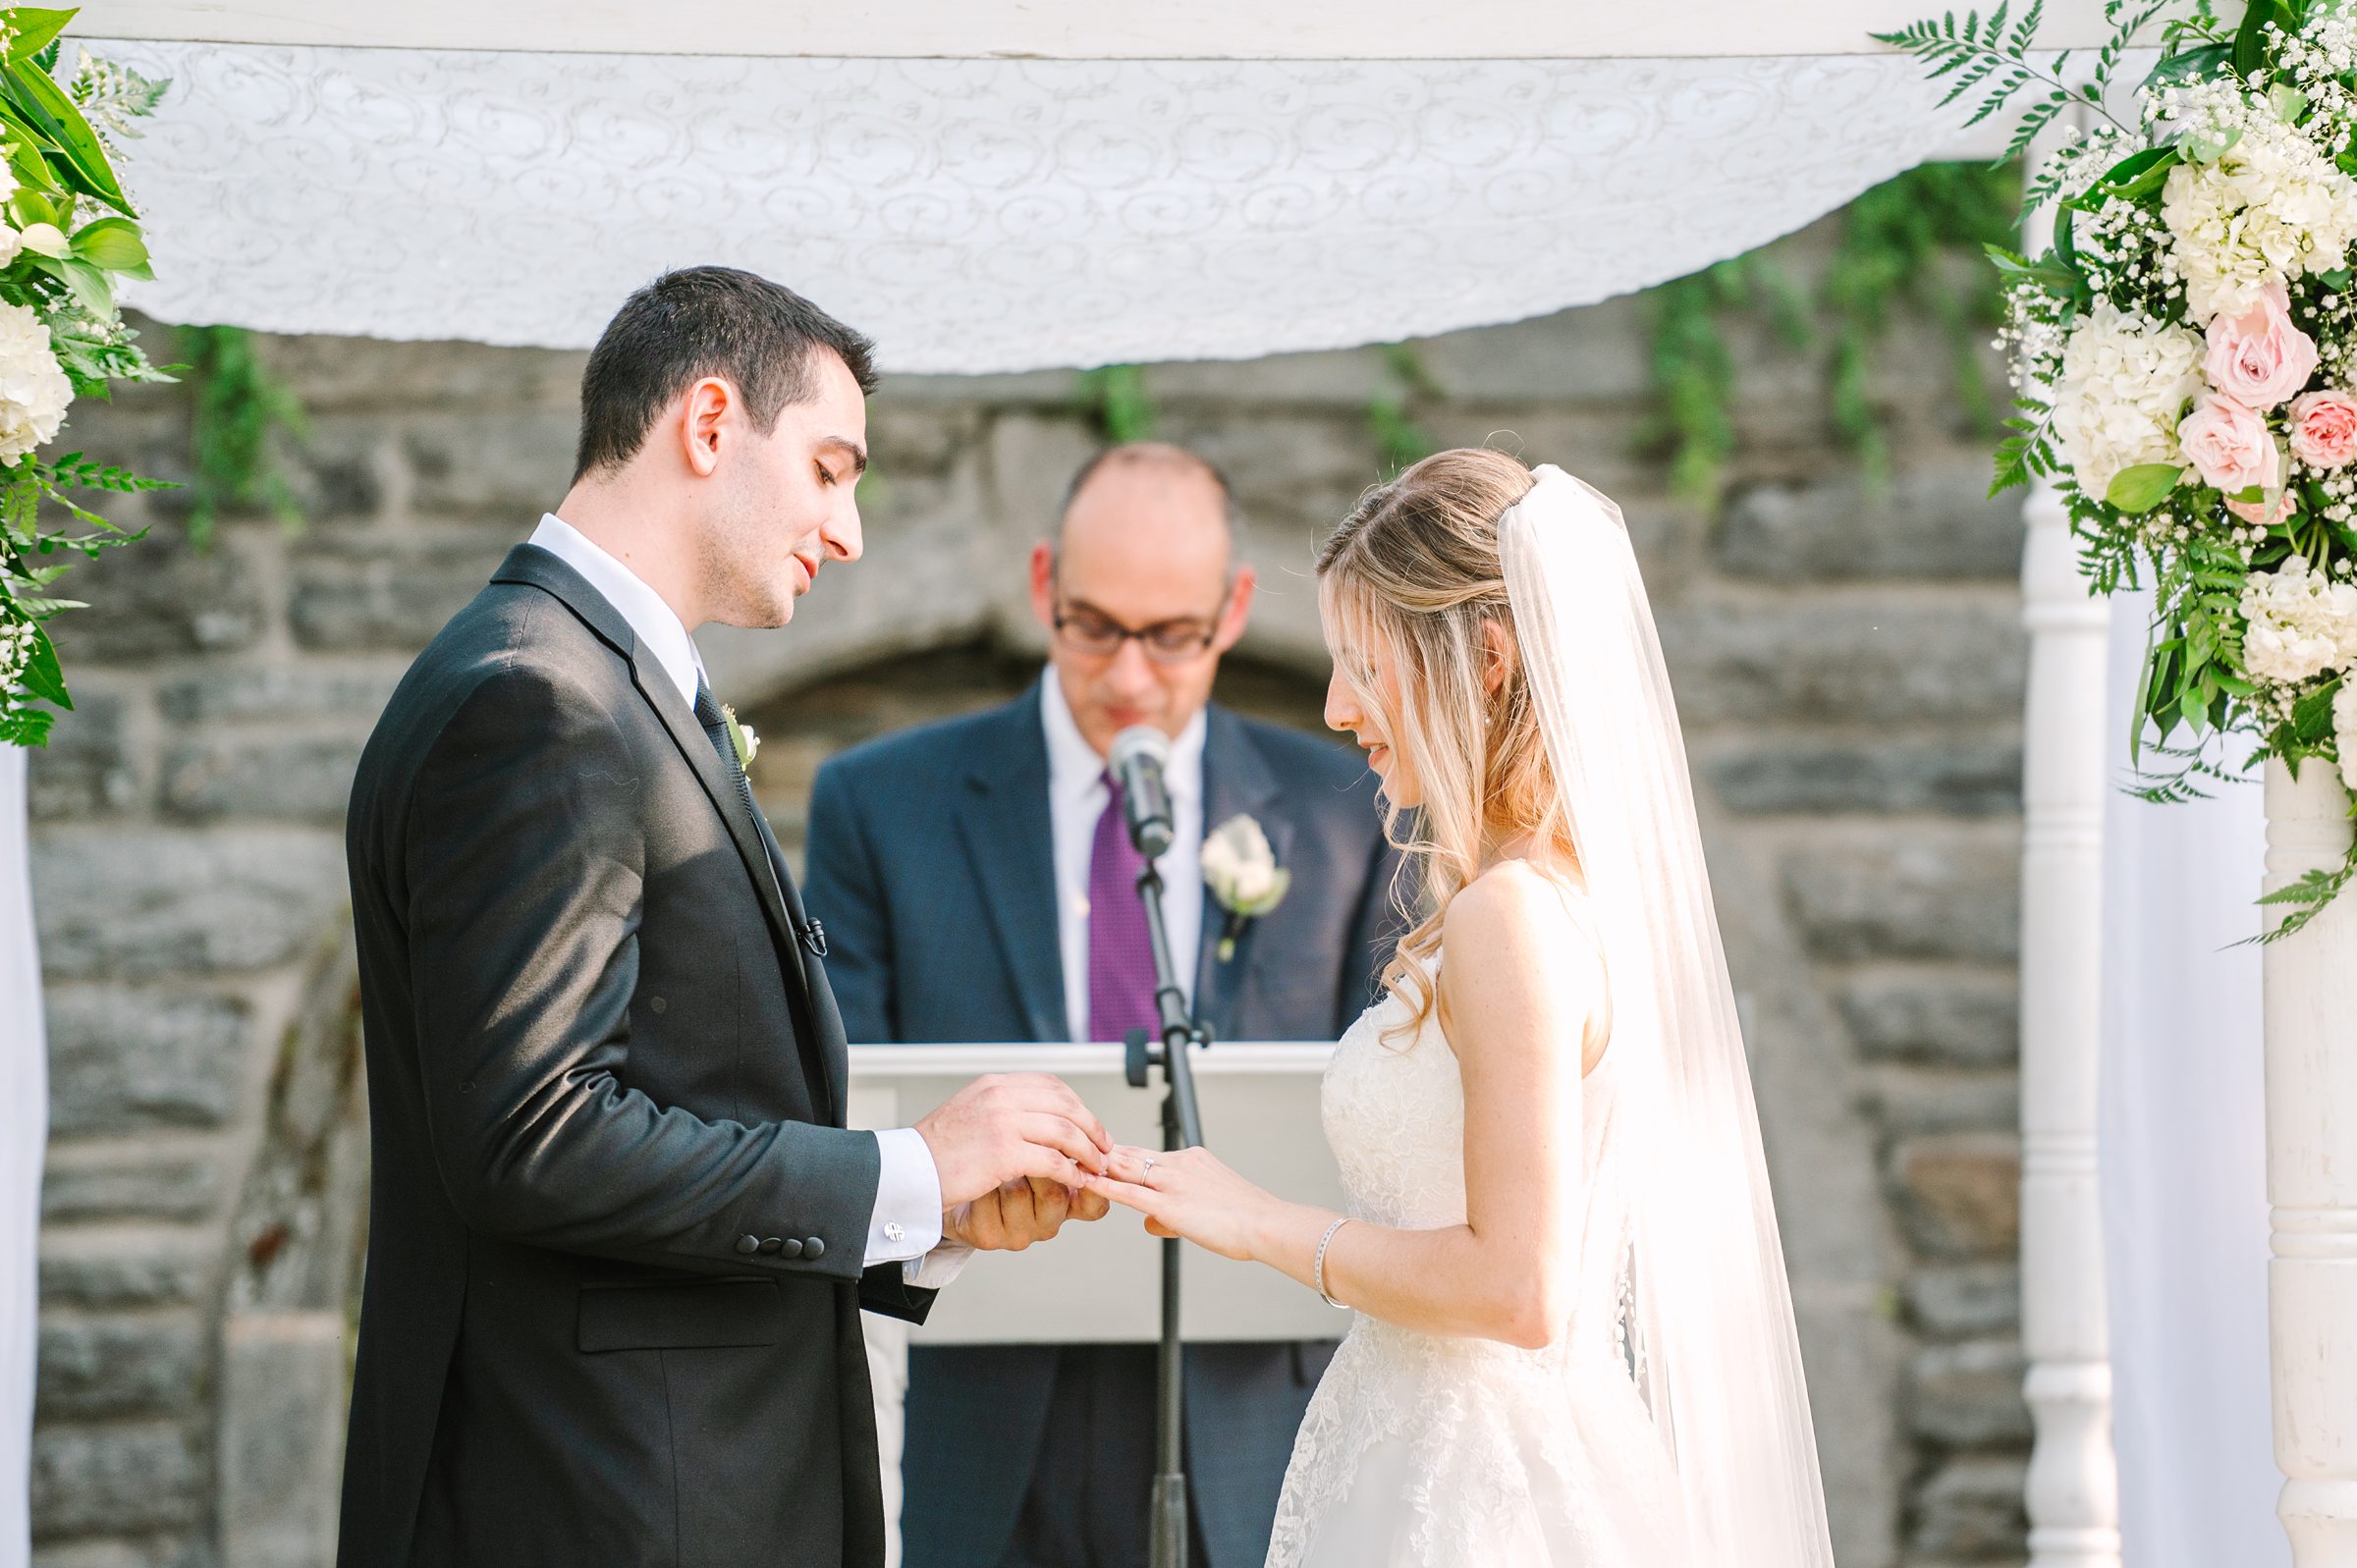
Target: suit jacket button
{"x":749,"y":1245}
{"x":814,"y":1249}
{"x":790,"y":1248}
{"x":771,"y":1244}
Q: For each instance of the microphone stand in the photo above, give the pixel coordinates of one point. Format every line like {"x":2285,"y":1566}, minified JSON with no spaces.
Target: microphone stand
{"x":1181,"y":1128}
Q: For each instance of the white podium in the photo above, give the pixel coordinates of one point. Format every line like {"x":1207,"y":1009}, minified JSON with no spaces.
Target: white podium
{"x":1103,"y":1281}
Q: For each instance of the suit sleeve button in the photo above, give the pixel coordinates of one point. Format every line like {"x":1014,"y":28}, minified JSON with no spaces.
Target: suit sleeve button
{"x":790,"y":1248}
{"x":814,"y":1249}
{"x":749,"y":1245}
{"x":771,"y":1244}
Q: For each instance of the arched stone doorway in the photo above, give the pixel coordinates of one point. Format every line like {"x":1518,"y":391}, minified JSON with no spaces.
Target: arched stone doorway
{"x":801,"y":727}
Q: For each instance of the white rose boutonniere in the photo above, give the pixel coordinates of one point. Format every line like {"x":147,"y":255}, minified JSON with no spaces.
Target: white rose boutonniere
{"x":1241,"y":872}
{"x":742,"y":738}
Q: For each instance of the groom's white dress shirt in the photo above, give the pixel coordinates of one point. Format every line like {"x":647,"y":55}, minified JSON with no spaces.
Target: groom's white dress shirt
{"x":1076,"y":796}
{"x":905,"y":1225}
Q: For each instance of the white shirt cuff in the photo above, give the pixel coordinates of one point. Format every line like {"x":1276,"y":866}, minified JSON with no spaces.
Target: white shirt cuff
{"x":936,"y":1269}
{"x":907,"y":1222}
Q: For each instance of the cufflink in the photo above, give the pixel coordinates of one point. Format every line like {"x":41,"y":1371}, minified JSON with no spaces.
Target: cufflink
{"x":893,"y":1233}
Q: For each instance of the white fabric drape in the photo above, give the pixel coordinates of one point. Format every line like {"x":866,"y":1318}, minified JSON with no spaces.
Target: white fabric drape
{"x":2184,"y":1165}
{"x":984,"y":215}
{"x":24,"y":1132}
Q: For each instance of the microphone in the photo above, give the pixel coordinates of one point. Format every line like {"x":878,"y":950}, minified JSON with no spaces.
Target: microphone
{"x":1138,"y":756}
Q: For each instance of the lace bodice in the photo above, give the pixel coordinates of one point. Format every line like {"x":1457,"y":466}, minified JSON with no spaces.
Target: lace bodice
{"x":1422,"y":1450}
{"x":1393,"y":1109}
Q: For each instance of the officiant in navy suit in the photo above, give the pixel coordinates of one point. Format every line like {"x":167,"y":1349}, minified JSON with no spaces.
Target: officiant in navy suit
{"x":976,"y":883}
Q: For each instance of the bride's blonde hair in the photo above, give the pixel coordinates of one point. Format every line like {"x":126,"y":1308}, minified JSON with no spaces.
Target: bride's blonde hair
{"x":1415,"y":571}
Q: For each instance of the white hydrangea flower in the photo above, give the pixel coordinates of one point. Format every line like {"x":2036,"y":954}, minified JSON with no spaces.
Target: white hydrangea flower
{"x":2302,"y":623}
{"x":2344,"y":732}
{"x":2271,"y":209}
{"x":33,"y":391}
{"x":2122,"y":387}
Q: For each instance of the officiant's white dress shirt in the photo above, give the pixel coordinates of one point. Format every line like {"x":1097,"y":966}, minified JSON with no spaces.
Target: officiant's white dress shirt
{"x":1076,"y":796}
{"x":905,"y":1224}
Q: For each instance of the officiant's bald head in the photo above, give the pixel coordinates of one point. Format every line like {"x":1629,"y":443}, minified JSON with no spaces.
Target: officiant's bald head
{"x":1142,"y":587}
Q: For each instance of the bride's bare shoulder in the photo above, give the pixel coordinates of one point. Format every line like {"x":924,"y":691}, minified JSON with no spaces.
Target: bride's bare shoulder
{"x":1518,"y":937}
{"x":1514,"y":901}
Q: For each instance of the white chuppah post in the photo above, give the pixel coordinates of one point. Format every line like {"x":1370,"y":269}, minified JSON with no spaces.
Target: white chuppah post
{"x":24,"y":1132}
{"x":2312,"y":1175}
{"x":2073,"y":1485}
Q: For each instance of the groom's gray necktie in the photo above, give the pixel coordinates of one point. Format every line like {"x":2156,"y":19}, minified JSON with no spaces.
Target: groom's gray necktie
{"x":812,"y":935}
{"x":716,"y":731}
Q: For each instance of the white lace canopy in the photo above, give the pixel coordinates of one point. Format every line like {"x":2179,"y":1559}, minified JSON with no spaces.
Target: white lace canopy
{"x":982,"y":215}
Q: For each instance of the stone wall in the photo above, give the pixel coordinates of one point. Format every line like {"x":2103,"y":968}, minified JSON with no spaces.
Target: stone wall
{"x":1847,"y":658}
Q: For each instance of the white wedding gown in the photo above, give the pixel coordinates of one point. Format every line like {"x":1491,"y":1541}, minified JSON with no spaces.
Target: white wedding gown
{"x":1422,"y":1451}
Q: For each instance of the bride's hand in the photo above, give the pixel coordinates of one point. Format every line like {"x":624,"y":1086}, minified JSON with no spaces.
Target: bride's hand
{"x":1190,"y":1193}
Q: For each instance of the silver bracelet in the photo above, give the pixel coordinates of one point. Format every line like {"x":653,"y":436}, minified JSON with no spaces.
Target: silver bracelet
{"x":1317,"y":1267}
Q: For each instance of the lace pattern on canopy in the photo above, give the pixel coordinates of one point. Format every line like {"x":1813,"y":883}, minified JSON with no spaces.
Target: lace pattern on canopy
{"x":983,"y":215}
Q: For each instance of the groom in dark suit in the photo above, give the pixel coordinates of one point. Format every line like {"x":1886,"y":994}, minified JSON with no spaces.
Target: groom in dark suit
{"x":619,"y":1238}
{"x":977,"y":885}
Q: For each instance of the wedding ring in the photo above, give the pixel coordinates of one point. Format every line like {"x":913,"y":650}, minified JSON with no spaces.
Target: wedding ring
{"x":1148,"y":1170}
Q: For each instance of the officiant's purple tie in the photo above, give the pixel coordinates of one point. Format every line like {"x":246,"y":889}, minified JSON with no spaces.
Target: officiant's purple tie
{"x":1120,"y":956}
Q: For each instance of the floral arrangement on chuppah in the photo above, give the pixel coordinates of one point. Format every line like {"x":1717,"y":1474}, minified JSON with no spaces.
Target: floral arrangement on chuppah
{"x":2186,"y":352}
{"x":66,"y":231}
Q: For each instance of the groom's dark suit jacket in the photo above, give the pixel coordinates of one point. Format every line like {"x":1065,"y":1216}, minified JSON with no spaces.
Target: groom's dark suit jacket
{"x":931,"y":865}
{"x":616,"y":1229}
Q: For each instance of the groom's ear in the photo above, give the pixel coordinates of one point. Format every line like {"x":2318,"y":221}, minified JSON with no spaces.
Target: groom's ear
{"x":707,"y":409}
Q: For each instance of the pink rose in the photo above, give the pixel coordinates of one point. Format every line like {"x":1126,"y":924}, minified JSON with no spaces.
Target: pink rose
{"x":2258,"y":358}
{"x":2228,"y":445}
{"x":2324,"y":429}
{"x":2261,"y":513}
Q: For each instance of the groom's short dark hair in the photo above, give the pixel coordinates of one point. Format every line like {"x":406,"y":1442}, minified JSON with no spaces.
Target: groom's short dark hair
{"x":697,"y":322}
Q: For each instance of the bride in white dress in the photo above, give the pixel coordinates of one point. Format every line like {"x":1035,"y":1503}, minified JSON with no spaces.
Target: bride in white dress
{"x":1572,"y":1341}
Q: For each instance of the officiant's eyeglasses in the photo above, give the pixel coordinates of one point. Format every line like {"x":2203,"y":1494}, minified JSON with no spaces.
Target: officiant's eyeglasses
{"x":1168,"y":642}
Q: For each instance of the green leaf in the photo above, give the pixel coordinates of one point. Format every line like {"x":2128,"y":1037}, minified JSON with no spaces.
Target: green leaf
{"x":2203,"y":148}
{"x":2190,"y":65}
{"x":114,"y":244}
{"x":2312,"y":714}
{"x":36,"y":29}
{"x":2143,"y":487}
{"x":28,"y":207}
{"x":90,"y":286}
{"x":43,"y":103}
{"x":2136,"y":176}
{"x":2250,"y":40}
{"x":2290,"y":103}
{"x":44,"y":677}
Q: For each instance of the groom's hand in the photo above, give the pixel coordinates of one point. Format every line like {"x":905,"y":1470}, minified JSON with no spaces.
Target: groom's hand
{"x":998,"y":1129}
{"x":1013,"y":1216}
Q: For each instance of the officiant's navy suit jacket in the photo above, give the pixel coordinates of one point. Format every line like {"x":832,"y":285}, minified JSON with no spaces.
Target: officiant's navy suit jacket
{"x":932,"y":869}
